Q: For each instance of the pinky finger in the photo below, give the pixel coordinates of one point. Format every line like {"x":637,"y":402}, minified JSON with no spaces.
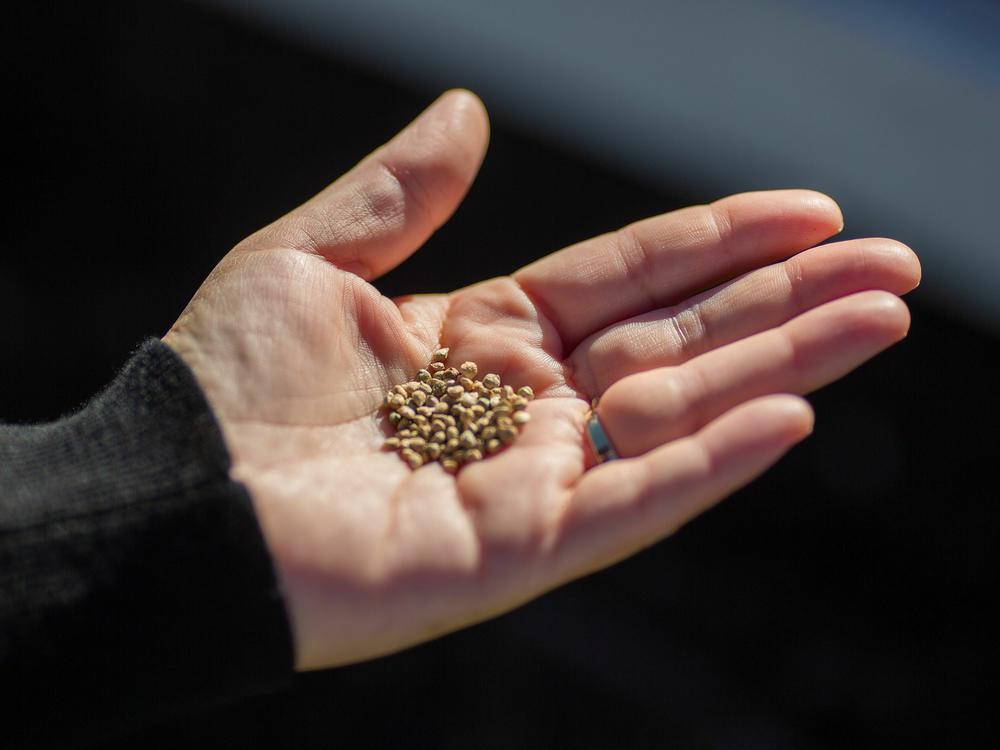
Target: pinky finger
{"x":624,"y":506}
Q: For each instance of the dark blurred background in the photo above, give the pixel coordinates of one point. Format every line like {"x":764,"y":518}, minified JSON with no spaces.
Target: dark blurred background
{"x":840,"y":601}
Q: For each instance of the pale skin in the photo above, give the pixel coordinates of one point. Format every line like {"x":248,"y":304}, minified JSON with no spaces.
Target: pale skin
{"x":698,"y":329}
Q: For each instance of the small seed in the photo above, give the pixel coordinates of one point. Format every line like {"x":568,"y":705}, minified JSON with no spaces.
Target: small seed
{"x":396,"y":401}
{"x":473,"y":454}
{"x":455,"y":391}
{"x":435,"y":366}
{"x":467,"y":439}
{"x":492,"y":381}
{"x":492,"y":446}
{"x":467,"y":400}
{"x":451,"y":431}
{"x":477,"y":410}
{"x":502,"y":409}
{"x":440,"y":355}
{"x":521,"y":417}
{"x":450,"y":374}
{"x":411,"y":457}
{"x":508,"y":392}
{"x":452,"y":445}
{"x":400,"y":390}
{"x":466,"y":384}
{"x":488,"y":432}
{"x":525,"y":392}
{"x":419,"y":398}
{"x":507,"y":434}
{"x":425,"y":411}
{"x":411,"y":386}
{"x":392,"y":442}
{"x":394,"y":418}
{"x":441,"y":408}
{"x":450,"y":465}
{"x":423,"y":376}
{"x":439,"y":437}
{"x":433,"y":451}
{"x":406,"y":412}
{"x":468,"y":369}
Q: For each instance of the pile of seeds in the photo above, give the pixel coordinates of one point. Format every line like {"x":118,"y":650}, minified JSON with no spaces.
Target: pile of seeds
{"x":444,"y":414}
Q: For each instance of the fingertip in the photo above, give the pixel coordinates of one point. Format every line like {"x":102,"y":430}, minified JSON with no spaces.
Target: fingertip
{"x":796,"y":414}
{"x":889,"y":311}
{"x":896,"y":262}
{"x":464,"y":114}
{"x":822,"y":205}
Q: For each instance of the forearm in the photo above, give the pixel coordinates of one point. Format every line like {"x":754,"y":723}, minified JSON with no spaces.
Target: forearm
{"x":134,"y":580}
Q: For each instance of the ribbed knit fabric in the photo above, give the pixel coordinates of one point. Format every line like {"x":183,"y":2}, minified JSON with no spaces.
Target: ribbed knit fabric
{"x":134,"y":579}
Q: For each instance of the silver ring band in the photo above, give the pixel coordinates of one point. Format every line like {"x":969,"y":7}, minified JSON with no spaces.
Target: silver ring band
{"x":599,"y":440}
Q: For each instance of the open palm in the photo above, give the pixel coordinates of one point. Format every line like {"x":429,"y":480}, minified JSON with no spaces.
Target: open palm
{"x":688,"y":326}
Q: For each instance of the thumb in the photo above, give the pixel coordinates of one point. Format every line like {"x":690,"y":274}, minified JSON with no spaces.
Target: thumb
{"x":379,"y":213}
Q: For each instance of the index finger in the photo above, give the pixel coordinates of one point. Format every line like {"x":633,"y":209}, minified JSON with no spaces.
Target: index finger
{"x":664,"y":259}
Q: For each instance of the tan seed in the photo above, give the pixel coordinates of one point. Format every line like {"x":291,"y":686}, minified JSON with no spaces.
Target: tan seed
{"x":488,"y":432}
{"x":492,"y":446}
{"x":467,"y":439}
{"x":414,"y":459}
{"x":406,"y":412}
{"x":455,"y":391}
{"x":521,"y":417}
{"x":439,"y":437}
{"x":492,"y":381}
{"x":396,"y":401}
{"x":450,"y":465}
{"x":473,"y":454}
{"x":507,"y":434}
{"x":423,"y":376}
{"x":525,"y":392}
{"x":467,"y":400}
{"x":468,"y":369}
{"x":440,"y":355}
{"x":433,"y":451}
{"x":391,"y":442}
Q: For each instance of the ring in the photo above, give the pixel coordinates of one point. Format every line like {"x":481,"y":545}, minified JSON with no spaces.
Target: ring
{"x":599,"y":440}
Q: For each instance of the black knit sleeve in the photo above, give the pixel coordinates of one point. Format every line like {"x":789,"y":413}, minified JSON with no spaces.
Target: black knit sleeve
{"x":134,"y":579}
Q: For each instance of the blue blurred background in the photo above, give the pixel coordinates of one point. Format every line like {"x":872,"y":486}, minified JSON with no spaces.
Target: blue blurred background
{"x":841,"y":601}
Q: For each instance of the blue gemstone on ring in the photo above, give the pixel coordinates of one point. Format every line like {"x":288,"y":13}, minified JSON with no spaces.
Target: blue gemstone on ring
{"x":599,"y":440}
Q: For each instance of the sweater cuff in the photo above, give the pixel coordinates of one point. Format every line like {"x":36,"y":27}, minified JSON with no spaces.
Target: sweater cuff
{"x":135,"y":582}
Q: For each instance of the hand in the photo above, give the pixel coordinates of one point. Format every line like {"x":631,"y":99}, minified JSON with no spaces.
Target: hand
{"x":687,"y":325}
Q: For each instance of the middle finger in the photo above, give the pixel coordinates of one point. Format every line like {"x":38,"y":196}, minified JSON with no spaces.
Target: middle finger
{"x":755,"y":302}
